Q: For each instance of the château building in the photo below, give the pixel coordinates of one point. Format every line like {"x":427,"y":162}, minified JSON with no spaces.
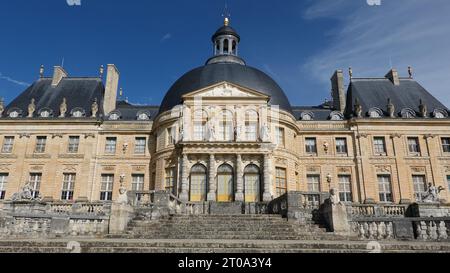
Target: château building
{"x":224,"y":132}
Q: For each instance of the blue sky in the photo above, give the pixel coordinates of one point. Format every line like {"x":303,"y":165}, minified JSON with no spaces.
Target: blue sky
{"x":298,"y":43}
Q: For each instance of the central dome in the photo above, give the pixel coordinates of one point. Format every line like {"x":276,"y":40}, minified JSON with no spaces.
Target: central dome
{"x":211,"y":74}
{"x":225,"y":66}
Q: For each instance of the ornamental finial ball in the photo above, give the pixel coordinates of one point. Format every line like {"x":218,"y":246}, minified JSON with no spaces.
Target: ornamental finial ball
{"x":226,"y":21}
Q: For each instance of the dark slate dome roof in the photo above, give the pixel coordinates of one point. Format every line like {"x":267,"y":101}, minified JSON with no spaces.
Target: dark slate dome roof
{"x":211,"y":74}
{"x":226,"y":30}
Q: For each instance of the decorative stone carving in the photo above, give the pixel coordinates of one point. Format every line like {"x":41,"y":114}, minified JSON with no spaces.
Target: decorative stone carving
{"x":358,"y":109}
{"x":123,"y":197}
{"x":63,"y":108}
{"x":265,"y":133}
{"x":89,"y":135}
{"x":383,"y":169}
{"x":390,"y":109}
{"x":432,"y":194}
{"x":57,"y":135}
{"x":326,"y":147}
{"x":392,"y":136}
{"x":334,"y":197}
{"x":211,"y":131}
{"x":31,"y":108}
{"x":423,"y":109}
{"x":26,"y":194}
{"x":94,"y":108}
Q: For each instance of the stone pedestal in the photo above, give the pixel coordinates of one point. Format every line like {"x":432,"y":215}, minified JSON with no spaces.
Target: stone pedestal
{"x":336,"y":217}
{"x":429,"y":210}
{"x":121,"y":215}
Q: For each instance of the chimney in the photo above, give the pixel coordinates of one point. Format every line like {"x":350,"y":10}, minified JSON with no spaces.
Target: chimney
{"x":58,"y":74}
{"x":392,"y":75}
{"x":338,"y":93}
{"x":112,"y":83}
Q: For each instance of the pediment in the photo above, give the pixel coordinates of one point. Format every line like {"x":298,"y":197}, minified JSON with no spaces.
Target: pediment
{"x":226,"y":90}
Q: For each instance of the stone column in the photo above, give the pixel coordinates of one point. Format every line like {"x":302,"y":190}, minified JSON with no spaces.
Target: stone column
{"x":212,"y":179}
{"x":184,"y":195}
{"x":239,"y":179}
{"x":267,"y":178}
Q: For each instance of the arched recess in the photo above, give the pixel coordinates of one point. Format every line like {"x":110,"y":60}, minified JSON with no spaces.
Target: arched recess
{"x":225,"y":183}
{"x":252,"y":183}
{"x":198,"y":185}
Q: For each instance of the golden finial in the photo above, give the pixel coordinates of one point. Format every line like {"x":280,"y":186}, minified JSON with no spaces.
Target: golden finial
{"x":226,"y":22}
{"x":226,"y":14}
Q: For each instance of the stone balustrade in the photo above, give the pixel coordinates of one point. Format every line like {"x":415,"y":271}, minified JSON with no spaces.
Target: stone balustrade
{"x":378,"y":210}
{"x":374,"y":230}
{"x":432,"y":230}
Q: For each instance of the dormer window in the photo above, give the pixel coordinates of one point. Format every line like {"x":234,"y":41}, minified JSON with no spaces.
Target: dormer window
{"x":78,"y":113}
{"x":114,"y":116}
{"x":143,"y":116}
{"x":336,"y":116}
{"x":440,"y":114}
{"x":408,"y":113}
{"x":15,"y":113}
{"x":45,"y":113}
{"x":307,"y":116}
{"x":375,"y":113}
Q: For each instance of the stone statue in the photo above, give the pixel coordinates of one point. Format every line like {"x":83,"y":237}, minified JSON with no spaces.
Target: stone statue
{"x":238,"y":132}
{"x":123,"y":197}
{"x":94,"y":108}
{"x":326,"y":146}
{"x":358,"y":109}
{"x":265,"y":132}
{"x":334,"y":197}
{"x":26,"y":194}
{"x":423,"y":109}
{"x":391,"y":109}
{"x":211,"y":131}
{"x":2,"y":107}
{"x":31,"y":108}
{"x":432,"y":194}
{"x":63,"y":108}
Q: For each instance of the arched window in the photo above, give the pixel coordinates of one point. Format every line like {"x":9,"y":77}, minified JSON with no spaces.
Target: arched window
{"x":375,"y":113}
{"x":200,"y":121}
{"x":336,"y":116}
{"x":198,"y":190}
{"x":78,"y":113}
{"x":45,"y":113}
{"x":307,"y":116}
{"x":226,"y":126}
{"x":225,"y":183}
{"x":225,"y":46}
{"x":440,"y":114}
{"x":252,"y":183}
{"x":217,"y":48}
{"x":234,"y":49}
{"x":15,"y":113}
{"x":408,"y":113}
{"x":251,"y":125}
{"x":143,"y":115}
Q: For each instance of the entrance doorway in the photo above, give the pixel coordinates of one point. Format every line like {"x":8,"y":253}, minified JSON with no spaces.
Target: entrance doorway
{"x":252,"y":184}
{"x":225,"y":182}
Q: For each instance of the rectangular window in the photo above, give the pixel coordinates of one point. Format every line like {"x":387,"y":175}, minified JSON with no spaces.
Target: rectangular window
{"x":345,"y":188}
{"x":311,"y":145}
{"x":170,"y":180}
{"x":446,"y":144}
{"x":413,"y":145}
{"x":341,"y":145}
{"x":281,"y":182}
{"x":313,"y":181}
{"x":40,"y":144}
{"x":280,"y":136}
{"x":385,"y":188}
{"x":35,"y":184}
{"x":199,"y":131}
{"x":8,"y":143}
{"x":171,"y":136}
{"x":420,"y":185}
{"x":251,"y":131}
{"x":3,"y":182}
{"x":111,"y":143}
{"x":107,"y":187}
{"x":74,"y":143}
{"x":140,"y":144}
{"x":68,"y":186}
{"x":379,"y":145}
{"x":137,"y":182}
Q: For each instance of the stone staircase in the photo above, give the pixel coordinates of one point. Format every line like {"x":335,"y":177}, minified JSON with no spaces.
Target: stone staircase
{"x":226,"y":227}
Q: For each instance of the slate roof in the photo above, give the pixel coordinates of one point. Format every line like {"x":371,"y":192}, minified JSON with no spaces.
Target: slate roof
{"x":211,"y":74}
{"x":79,"y":93}
{"x":129,"y":112}
{"x":320,"y":113}
{"x":374,"y":92}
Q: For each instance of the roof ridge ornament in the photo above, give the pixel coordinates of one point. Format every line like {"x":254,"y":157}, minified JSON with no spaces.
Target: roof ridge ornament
{"x":410,"y":72}
{"x":41,"y":71}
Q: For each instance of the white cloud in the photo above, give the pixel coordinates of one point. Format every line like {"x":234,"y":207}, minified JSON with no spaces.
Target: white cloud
{"x":9,"y":79}
{"x":369,"y":38}
{"x":166,"y":37}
